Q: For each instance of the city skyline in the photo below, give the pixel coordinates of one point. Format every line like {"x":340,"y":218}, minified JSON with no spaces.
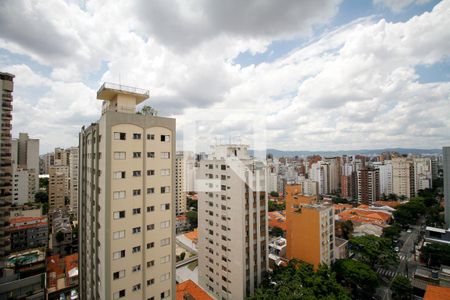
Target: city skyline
{"x":327,"y":75}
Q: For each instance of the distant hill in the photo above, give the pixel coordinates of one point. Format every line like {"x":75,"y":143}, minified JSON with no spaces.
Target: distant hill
{"x":279,"y":153}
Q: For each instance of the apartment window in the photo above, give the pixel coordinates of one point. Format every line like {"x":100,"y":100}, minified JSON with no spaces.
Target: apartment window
{"x":165,"y":138}
{"x":151,"y":154}
{"x":165,"y":224}
{"x":165,"y":172}
{"x":150,"y":208}
{"x":150,"y":226}
{"x":136,"y":192}
{"x":151,"y":298}
{"x":117,"y":235}
{"x":165,"y":206}
{"x":119,"y":175}
{"x":150,"y":136}
{"x":136,"y":154}
{"x":119,"y":155}
{"x":165,"y":189}
{"x":136,"y":287}
{"x":119,"y":195}
{"x":119,"y":215}
{"x":164,"y":277}
{"x":136,"y":249}
{"x":136,"y":268}
{"x":136,"y":211}
{"x":150,"y":281}
{"x":119,"y":254}
{"x":165,"y":294}
{"x":120,"y":136}
{"x":136,"y":136}
{"x":223,"y":167}
{"x":165,"y":155}
{"x":150,"y":190}
{"x":150,"y":172}
{"x":165,"y":242}
{"x":150,"y":245}
{"x":119,"y":294}
{"x":165,"y":259}
{"x":136,"y":173}
{"x":136,"y":230}
{"x":119,"y":274}
{"x":150,"y":263}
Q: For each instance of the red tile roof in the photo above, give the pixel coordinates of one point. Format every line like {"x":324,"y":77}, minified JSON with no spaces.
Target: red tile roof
{"x":437,"y":293}
{"x":190,"y":288}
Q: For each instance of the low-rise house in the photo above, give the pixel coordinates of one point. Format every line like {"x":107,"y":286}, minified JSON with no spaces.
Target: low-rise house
{"x":340,"y":248}
{"x":277,"y":246}
{"x":28,"y":232}
{"x":62,"y":276}
{"x":181,"y":224}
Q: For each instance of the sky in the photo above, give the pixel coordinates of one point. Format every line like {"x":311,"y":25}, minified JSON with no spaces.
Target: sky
{"x":298,"y":75}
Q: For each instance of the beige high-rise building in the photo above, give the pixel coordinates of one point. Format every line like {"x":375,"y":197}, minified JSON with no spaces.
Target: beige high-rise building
{"x":58,"y":187}
{"x":126,"y":201}
{"x":232,"y":222}
{"x":73,"y":180}
{"x":25,"y":158}
{"x":180,"y":185}
{"x":6,"y":181}
{"x":401,"y":177}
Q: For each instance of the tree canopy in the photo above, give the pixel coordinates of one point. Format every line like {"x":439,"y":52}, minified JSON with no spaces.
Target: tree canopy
{"x":401,"y":288}
{"x":147,"y":110}
{"x":373,"y":250}
{"x":358,"y":277}
{"x":299,"y":281}
{"x":435,"y":254}
{"x":277,"y":231}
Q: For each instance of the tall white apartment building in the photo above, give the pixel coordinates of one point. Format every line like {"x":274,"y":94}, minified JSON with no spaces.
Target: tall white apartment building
{"x":401,"y":177}
{"x":180,"y":187}
{"x":126,"y":199}
{"x":272,"y":185}
{"x":385,"y":171}
{"x":232,"y":219}
{"x":320,"y":172}
{"x":309,"y":187}
{"x":423,"y":174}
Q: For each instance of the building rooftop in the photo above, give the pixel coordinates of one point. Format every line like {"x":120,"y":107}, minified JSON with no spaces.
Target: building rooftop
{"x":190,"y":290}
{"x":109,"y":90}
{"x":436,"y":293}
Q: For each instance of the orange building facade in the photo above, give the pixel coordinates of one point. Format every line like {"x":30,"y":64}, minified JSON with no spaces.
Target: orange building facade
{"x":310,"y":228}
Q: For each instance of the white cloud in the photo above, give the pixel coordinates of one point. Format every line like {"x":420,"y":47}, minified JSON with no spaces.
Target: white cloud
{"x":355,"y":87}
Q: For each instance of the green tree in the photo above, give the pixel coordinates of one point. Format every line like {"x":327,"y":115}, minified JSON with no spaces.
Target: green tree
{"x":358,"y":277}
{"x":299,"y":281}
{"x":273,"y":206}
{"x":274,"y":194}
{"x":373,"y":250}
{"x":43,"y":184}
{"x":192,"y":217}
{"x":192,"y":203}
{"x":436,"y":254}
{"x":41,"y":197}
{"x":401,"y":288}
{"x":277,"y":231}
{"x":59,"y":236}
{"x":147,"y":110}
{"x":392,"y":232}
{"x":347,"y":229}
{"x":392,"y":197}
